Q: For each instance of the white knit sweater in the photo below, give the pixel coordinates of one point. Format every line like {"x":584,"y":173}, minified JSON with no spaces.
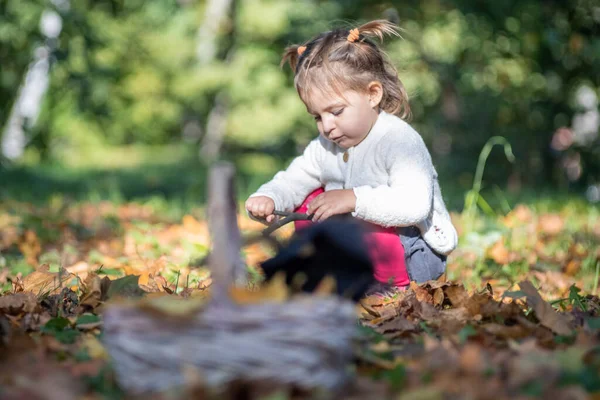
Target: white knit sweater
{"x":390,"y":172}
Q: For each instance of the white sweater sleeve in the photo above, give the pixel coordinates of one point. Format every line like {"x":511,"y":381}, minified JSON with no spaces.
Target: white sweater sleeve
{"x":290,"y":187}
{"x":407,"y":199}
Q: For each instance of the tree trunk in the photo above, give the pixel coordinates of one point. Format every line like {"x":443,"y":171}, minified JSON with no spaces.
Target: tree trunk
{"x":217,"y":14}
{"x":27,"y":106}
{"x":216,"y":125}
{"x":226,"y":265}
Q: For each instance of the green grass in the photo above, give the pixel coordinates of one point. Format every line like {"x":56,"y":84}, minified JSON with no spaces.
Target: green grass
{"x":171,"y":179}
{"x":174,"y":176}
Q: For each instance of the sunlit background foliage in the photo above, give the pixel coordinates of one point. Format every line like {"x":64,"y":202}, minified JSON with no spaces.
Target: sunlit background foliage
{"x":131,"y":85}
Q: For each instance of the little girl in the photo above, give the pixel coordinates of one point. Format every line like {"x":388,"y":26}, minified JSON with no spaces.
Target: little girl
{"x":367,"y":160}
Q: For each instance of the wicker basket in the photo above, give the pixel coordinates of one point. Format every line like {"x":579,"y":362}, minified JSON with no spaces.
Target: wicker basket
{"x":305,"y":342}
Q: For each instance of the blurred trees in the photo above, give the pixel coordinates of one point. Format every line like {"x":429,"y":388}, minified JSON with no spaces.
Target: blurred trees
{"x":128,"y":71}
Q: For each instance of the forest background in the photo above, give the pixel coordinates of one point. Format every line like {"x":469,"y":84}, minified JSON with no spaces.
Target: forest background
{"x":133,"y":98}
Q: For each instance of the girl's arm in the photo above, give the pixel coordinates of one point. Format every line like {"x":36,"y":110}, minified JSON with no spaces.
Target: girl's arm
{"x":290,"y":187}
{"x":407,"y":199}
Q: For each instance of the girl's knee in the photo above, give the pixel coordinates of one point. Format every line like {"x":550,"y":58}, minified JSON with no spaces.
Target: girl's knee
{"x":423,"y":264}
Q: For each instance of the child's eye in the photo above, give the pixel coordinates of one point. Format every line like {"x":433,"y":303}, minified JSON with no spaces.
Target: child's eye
{"x":338,"y":112}
{"x":317,"y":118}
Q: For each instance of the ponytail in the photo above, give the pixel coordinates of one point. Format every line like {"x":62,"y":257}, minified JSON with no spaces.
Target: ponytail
{"x":292,"y":55}
{"x":378,"y":28}
{"x":349,"y":59}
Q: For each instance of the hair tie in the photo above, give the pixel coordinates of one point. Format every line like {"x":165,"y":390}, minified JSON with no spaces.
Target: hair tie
{"x":353,"y":35}
{"x":301,"y":50}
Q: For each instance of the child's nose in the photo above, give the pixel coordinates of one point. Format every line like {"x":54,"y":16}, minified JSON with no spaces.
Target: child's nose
{"x":328,"y":125}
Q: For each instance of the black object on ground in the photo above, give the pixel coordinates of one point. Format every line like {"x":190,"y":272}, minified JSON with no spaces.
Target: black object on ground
{"x":334,"y":247}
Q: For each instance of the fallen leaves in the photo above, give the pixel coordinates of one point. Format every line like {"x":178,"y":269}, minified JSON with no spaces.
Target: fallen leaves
{"x":393,"y":327}
{"x":30,"y":247}
{"x":126,"y":286}
{"x":527,"y":241}
{"x":173,"y":306}
{"x":43,"y":281}
{"x":474,"y":345}
{"x":457,"y":295}
{"x":551,"y":224}
{"x":448,"y":307}
{"x":94,"y":291}
{"x":546,"y":314}
{"x":462,"y":343}
{"x":15,"y":304}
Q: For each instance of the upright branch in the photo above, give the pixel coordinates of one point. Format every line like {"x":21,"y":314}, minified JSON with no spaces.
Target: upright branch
{"x":225,"y":263}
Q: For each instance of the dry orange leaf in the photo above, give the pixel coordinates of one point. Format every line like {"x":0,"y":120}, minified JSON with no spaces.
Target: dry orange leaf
{"x":421,"y":293}
{"x":499,"y":253}
{"x":30,"y":247}
{"x":522,"y":213}
{"x":245,"y":223}
{"x":94,"y":290}
{"x":162,"y":283}
{"x":144,"y":278}
{"x":551,"y":224}
{"x":191,"y":224}
{"x":471,"y":359}
{"x":519,"y":216}
{"x":438,"y":296}
{"x":457,"y":295}
{"x":255,"y":254}
{"x":572,"y":267}
{"x":42,"y":281}
{"x":507,"y":332}
{"x":14,"y":304}
{"x":395,"y":326}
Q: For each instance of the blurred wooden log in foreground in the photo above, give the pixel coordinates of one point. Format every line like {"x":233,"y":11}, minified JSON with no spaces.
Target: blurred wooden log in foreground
{"x":305,"y":342}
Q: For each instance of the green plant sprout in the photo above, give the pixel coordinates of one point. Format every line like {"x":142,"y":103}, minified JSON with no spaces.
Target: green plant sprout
{"x":473,"y":197}
{"x":596,"y":276}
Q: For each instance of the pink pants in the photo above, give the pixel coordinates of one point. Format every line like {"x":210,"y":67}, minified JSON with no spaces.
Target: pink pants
{"x":384,"y":246}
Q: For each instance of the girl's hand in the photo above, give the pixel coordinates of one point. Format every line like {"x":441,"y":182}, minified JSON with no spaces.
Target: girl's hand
{"x":331,"y":203}
{"x":261,"y":207}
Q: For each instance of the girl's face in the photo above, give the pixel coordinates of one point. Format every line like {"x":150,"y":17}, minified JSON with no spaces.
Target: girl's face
{"x":345,"y":120}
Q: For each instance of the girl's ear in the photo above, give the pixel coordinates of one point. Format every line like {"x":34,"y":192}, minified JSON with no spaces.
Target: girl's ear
{"x":375,"y":91}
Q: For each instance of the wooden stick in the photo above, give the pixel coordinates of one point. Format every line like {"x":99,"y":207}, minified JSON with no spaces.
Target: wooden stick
{"x":225,"y":263}
{"x":288,"y":217}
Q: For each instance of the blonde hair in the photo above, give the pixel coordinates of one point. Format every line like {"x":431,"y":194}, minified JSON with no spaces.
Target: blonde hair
{"x":339,"y":60}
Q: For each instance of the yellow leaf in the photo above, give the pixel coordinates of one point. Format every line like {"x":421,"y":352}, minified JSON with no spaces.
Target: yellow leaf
{"x":572,"y":267}
{"x":326,"y":287}
{"x":551,"y":224}
{"x":144,"y":278}
{"x":30,"y":247}
{"x":499,"y":253}
{"x":380,"y":347}
{"x":192,"y":225}
{"x":273,"y":291}
{"x":95,"y":348}
{"x":172,"y":306}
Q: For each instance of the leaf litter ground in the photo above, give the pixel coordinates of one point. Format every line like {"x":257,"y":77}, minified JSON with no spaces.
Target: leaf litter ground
{"x":511,"y":320}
